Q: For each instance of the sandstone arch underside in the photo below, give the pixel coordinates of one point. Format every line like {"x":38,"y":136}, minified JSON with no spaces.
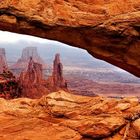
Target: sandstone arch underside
{"x":107,"y":29}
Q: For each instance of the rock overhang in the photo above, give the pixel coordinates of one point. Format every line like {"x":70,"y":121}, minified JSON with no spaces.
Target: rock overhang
{"x":108,"y":30}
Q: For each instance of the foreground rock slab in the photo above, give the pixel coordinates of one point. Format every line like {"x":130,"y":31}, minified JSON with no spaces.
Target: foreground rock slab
{"x":61,"y":115}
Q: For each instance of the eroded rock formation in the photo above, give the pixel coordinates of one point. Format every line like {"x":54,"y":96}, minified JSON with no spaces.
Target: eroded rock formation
{"x":3,"y":61}
{"x":9,"y":85}
{"x":28,"y":52}
{"x":57,"y":81}
{"x":31,"y":80}
{"x":63,"y":116}
{"x":108,"y":30}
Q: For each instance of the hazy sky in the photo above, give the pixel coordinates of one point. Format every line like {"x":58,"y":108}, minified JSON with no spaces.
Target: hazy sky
{"x":13,"y":37}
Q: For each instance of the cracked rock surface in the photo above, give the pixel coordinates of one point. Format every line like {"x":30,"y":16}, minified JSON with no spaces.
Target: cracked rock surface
{"x":107,"y":29}
{"x":61,"y":115}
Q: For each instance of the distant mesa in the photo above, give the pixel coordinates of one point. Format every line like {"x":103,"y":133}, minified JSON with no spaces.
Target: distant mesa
{"x":22,"y":63}
{"x":3,"y":61}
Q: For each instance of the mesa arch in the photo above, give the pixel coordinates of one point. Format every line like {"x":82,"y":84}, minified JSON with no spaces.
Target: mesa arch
{"x":107,"y":29}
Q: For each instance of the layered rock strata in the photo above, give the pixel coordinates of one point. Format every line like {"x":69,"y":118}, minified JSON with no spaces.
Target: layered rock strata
{"x":63,"y":116}
{"x":108,"y":30}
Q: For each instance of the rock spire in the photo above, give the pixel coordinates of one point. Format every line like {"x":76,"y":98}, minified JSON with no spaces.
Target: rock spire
{"x":3,"y":61}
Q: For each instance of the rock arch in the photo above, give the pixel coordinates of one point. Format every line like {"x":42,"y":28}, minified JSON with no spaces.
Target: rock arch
{"x":108,"y":30}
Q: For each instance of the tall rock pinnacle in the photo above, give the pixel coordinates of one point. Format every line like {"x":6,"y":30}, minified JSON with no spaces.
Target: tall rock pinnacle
{"x":3,"y":61}
{"x":56,"y":80}
{"x":57,"y":71}
{"x":31,"y":80}
{"x":33,"y":75}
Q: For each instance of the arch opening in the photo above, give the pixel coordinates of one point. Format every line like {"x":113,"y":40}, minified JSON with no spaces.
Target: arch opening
{"x":81,"y":73}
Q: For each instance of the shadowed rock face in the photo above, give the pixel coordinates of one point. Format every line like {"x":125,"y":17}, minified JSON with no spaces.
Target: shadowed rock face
{"x":3,"y":61}
{"x":109,"y":30}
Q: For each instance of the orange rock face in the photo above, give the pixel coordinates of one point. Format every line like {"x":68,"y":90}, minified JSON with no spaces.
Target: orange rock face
{"x":63,"y":116}
{"x":107,"y":29}
{"x":31,"y":80}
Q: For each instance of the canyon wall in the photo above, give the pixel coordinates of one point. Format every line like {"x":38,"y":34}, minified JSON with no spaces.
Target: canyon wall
{"x":109,"y":30}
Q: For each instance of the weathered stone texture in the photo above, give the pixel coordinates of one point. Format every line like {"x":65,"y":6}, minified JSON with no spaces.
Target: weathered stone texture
{"x":107,"y":29}
{"x":63,"y":116}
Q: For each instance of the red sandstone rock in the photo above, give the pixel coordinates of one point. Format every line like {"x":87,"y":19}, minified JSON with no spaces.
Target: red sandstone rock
{"x":33,"y":83}
{"x":63,"y":116}
{"x":28,"y":52}
{"x":31,"y":80}
{"x":33,"y":75}
{"x":56,"y":81}
{"x":9,"y":85}
{"x":3,"y":61}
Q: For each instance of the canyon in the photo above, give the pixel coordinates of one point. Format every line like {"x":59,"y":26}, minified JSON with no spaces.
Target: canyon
{"x":38,"y":112}
{"x":109,"y":30}
{"x":30,"y":81}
